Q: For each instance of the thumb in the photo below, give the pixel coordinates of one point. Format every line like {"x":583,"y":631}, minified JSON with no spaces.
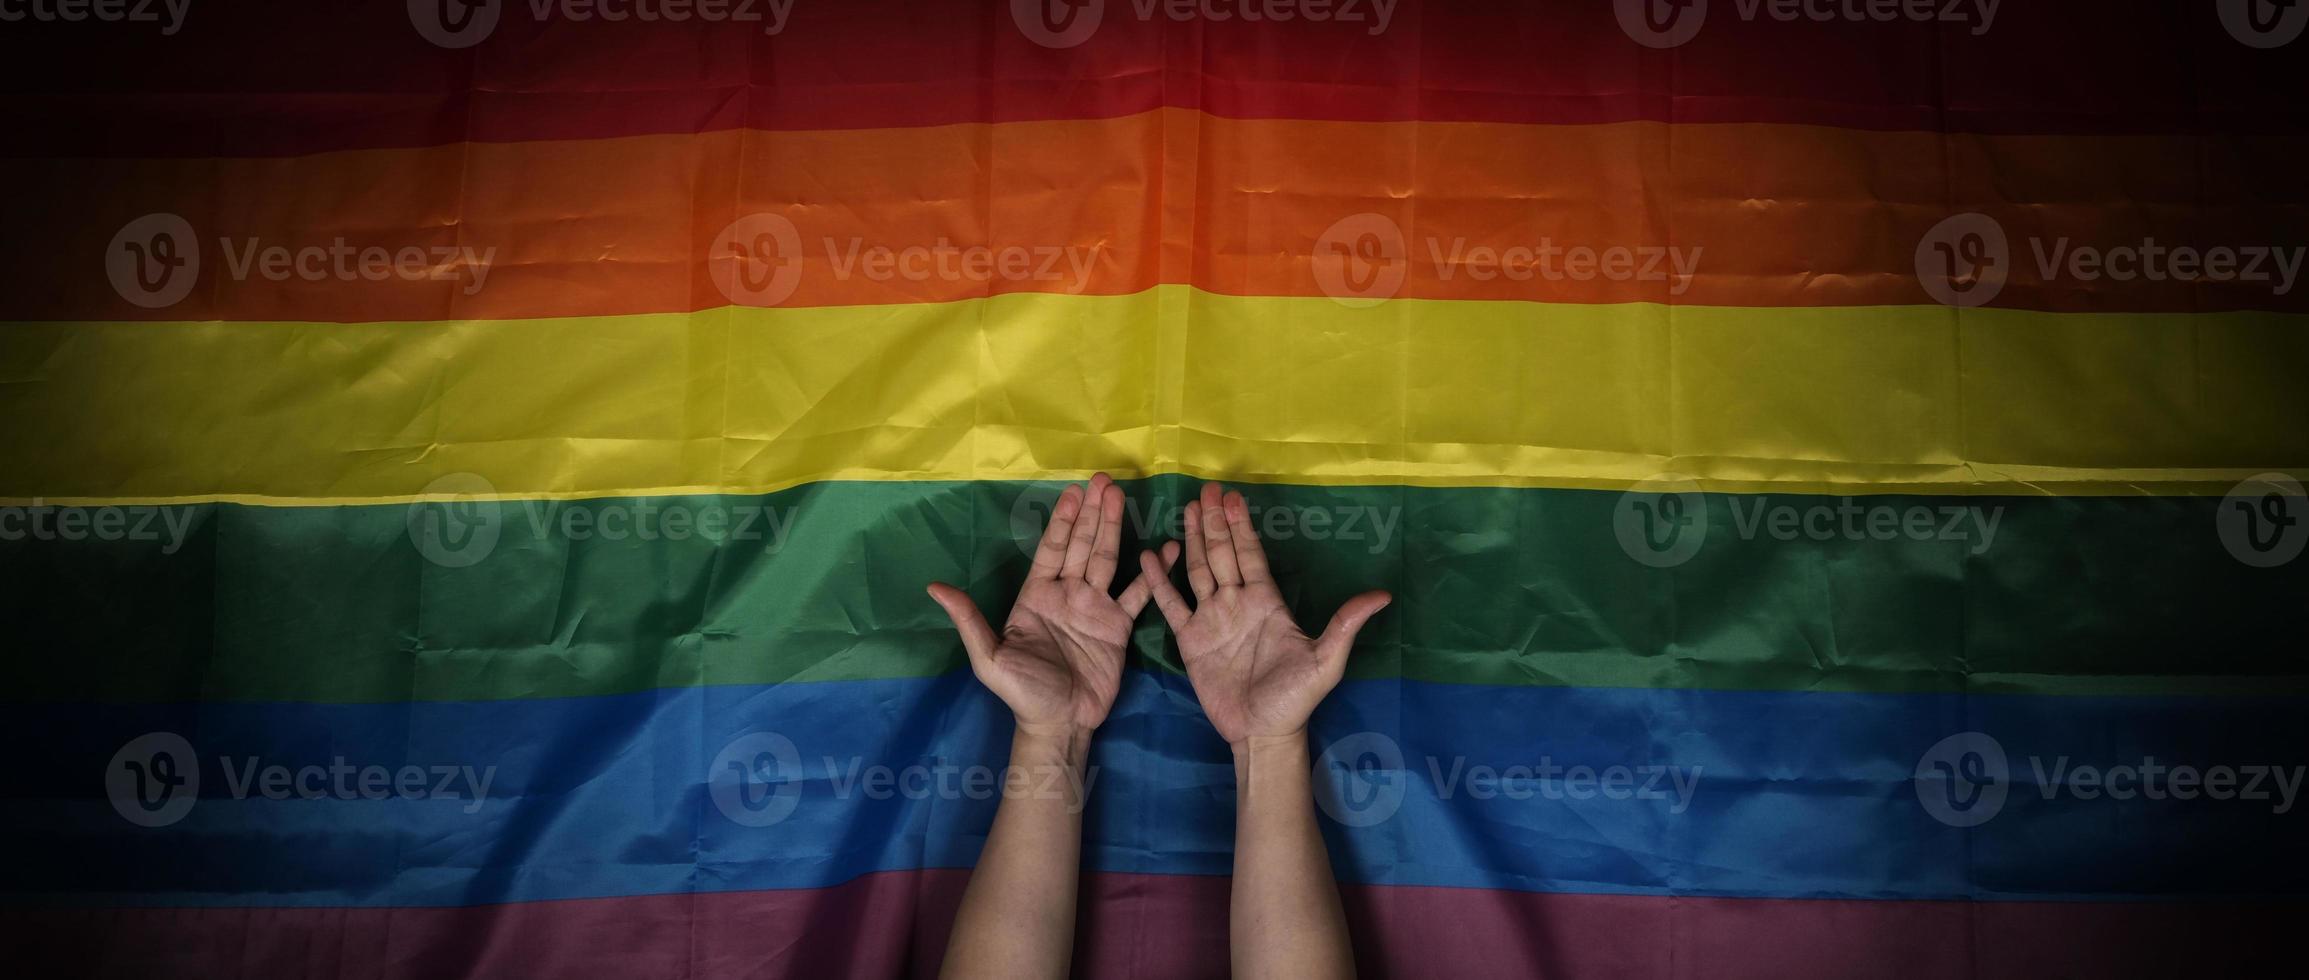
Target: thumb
{"x":977,"y":637}
{"x":1339,"y":637}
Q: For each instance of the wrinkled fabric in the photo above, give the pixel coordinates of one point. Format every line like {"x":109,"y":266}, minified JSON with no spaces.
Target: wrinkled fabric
{"x":552,"y":606}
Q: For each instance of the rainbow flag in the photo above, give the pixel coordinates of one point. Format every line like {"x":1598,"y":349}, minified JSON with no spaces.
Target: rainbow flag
{"x":472,"y":468}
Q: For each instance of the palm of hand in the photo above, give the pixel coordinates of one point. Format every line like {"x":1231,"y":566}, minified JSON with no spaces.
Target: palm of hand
{"x":1059,"y":661}
{"x":1257,"y":674}
{"x":1254,"y":670}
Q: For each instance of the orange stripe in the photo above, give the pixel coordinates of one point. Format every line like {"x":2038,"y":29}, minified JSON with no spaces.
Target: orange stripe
{"x":1778,"y":215}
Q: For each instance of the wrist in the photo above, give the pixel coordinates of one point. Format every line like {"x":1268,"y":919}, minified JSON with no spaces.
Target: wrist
{"x":1049,"y":764}
{"x":1260,"y":754}
{"x":1055,"y":744}
{"x":1262,"y":744}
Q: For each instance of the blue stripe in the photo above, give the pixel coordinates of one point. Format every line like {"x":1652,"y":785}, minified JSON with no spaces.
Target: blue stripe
{"x":1797,"y":795}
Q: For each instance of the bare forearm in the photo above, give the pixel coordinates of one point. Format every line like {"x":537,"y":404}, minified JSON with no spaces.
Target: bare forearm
{"x":1017,"y":916}
{"x":1286,"y":919}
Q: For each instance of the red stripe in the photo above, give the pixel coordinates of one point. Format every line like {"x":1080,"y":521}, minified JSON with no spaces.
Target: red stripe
{"x":291,"y":76}
{"x":895,"y":924}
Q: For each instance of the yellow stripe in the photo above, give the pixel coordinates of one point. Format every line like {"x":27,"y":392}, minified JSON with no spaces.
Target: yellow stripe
{"x":1844,"y":400}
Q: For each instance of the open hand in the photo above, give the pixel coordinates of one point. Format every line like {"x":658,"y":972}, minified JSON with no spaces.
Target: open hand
{"x":1058,"y":661}
{"x":1256,"y":673}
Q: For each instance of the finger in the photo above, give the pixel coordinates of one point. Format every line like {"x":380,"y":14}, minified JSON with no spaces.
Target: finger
{"x":1250,"y":555}
{"x":1166,"y":596}
{"x":1198,"y":566}
{"x":1218,"y":544}
{"x":1050,"y":555}
{"x":977,"y":638}
{"x":1085,"y":530}
{"x":1135,"y":595}
{"x":1339,"y":637}
{"x":1106,"y":549}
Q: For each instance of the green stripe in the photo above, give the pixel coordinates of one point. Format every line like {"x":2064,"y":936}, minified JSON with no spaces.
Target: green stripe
{"x":2074,"y":595}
